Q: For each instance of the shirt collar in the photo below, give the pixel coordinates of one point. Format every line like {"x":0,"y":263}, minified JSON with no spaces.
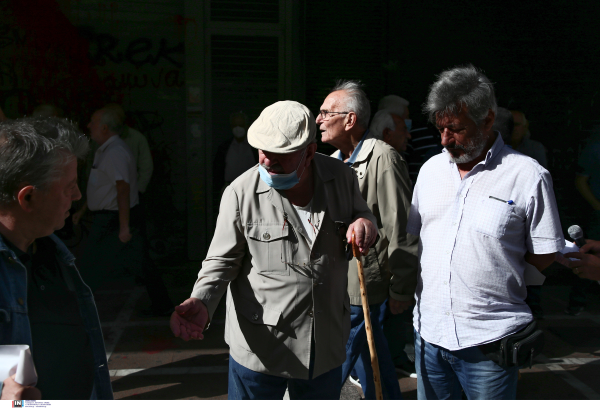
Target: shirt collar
{"x":494,"y":150}
{"x":109,"y":141}
{"x":356,"y":151}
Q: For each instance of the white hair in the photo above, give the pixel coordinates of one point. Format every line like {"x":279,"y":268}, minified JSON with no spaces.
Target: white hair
{"x":381,"y":121}
{"x":393,"y":103}
{"x":356,"y":100}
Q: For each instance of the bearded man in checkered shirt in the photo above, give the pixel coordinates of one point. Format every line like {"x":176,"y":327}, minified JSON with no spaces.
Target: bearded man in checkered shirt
{"x":481,"y":211}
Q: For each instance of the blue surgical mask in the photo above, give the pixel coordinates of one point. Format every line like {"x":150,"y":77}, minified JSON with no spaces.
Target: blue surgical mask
{"x":281,"y":181}
{"x":408,"y":123}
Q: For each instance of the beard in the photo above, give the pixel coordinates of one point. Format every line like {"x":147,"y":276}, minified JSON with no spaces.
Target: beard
{"x":470,"y":151}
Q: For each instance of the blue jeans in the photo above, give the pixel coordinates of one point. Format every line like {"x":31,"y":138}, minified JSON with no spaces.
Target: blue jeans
{"x":245,"y":384}
{"x":443,"y":374}
{"x":359,"y":357}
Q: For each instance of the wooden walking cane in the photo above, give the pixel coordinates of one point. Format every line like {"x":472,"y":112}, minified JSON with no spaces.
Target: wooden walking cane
{"x":367,"y":314}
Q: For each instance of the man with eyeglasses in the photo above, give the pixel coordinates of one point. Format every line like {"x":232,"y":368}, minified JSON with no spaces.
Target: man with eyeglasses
{"x":391,"y":266}
{"x":279,"y":252}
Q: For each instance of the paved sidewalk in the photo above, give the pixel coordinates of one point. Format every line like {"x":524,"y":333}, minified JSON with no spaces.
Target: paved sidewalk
{"x":147,"y":362}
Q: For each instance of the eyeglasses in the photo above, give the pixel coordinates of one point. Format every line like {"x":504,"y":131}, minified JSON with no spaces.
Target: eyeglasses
{"x":325,"y":114}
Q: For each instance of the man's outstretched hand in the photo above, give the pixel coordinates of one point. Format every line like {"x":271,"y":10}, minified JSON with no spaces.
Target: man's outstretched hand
{"x":189,"y":320}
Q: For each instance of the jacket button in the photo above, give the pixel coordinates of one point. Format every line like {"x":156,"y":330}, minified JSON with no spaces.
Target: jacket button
{"x":11,"y":259}
{"x":255,"y":317}
{"x":266,"y":236}
{"x":311,"y":313}
{"x":20,"y":300}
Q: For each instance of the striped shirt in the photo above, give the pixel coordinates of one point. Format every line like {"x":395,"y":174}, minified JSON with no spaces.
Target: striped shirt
{"x":473,"y":236}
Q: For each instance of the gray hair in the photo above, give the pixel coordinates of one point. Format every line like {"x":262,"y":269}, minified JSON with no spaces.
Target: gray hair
{"x":356,"y":101}
{"x":393,"y":103}
{"x":382,"y":120}
{"x":34,"y":151}
{"x":112,"y":115}
{"x":461,"y":86}
{"x":504,"y":123}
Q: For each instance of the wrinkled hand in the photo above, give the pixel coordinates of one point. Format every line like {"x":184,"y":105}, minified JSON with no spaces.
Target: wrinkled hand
{"x":12,"y":390}
{"x":189,"y":320}
{"x":399,"y":306}
{"x":365,"y":234}
{"x":124,"y":235}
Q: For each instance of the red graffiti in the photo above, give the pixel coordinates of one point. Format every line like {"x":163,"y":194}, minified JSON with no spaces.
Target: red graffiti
{"x":51,"y":58}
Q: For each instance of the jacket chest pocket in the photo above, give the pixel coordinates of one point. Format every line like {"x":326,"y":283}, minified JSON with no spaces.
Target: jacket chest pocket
{"x":269,"y":248}
{"x":492,"y":217}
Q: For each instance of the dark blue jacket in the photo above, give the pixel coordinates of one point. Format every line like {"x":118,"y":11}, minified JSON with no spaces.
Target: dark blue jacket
{"x":14,"y":321}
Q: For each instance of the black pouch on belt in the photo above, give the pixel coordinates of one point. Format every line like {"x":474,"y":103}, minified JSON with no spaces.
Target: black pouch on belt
{"x":520,"y":348}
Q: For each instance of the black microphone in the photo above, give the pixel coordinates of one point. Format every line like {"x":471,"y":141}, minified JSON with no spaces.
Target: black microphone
{"x":576,"y":233}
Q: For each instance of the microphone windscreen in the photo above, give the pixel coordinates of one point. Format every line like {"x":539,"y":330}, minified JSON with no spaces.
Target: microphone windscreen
{"x":575,"y":232}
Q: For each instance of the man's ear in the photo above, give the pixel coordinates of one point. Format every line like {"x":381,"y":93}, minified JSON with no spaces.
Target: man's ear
{"x":350,"y":120}
{"x":25,"y":198}
{"x":488,"y":122}
{"x":310,"y":153}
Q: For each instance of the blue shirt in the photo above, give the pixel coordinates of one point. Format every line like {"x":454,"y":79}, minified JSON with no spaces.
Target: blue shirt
{"x":474,"y":233}
{"x":355,"y":153}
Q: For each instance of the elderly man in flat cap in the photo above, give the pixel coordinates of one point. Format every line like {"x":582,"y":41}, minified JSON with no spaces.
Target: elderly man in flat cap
{"x":279,"y":251}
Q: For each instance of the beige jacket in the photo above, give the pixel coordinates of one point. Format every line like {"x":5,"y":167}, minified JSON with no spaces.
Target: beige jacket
{"x":391,"y":266}
{"x":281,"y":291}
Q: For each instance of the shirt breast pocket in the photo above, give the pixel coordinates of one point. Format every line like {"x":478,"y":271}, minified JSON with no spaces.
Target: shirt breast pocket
{"x":269,"y":248}
{"x":492,"y":217}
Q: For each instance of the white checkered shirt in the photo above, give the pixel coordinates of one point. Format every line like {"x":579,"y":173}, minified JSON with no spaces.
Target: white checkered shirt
{"x":471,"y":288}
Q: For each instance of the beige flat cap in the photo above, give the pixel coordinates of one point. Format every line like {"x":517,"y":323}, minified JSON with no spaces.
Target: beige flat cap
{"x":284,"y":127}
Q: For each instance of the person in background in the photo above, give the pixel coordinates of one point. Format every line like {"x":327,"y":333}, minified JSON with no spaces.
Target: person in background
{"x":44,"y":303}
{"x":391,"y":267}
{"x":138,"y":144}
{"x":397,"y":328}
{"x":391,"y":129}
{"x":504,"y":124}
{"x":424,"y":143}
{"x":521,"y":140}
{"x":234,"y":156}
{"x":116,"y":245}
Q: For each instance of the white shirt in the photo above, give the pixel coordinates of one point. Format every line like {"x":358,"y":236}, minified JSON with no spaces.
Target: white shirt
{"x":113,"y":161}
{"x":239,"y":159}
{"x":308,"y":221}
{"x":471,"y":287}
